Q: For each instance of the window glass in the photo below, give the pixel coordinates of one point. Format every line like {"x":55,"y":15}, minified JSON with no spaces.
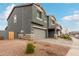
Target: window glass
{"x":15,"y":18}
{"x":39,"y":14}
{"x":52,"y":22}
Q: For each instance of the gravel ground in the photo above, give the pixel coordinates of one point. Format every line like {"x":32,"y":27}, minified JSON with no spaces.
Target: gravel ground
{"x":52,"y":49}
{"x":12,"y":47}
{"x":17,"y":48}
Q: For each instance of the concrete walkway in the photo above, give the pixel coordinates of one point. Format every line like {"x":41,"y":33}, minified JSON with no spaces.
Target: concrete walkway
{"x":74,"y":51}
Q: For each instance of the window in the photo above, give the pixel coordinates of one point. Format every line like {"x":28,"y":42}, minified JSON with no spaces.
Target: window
{"x":53,"y":22}
{"x":39,"y":14}
{"x":15,"y":18}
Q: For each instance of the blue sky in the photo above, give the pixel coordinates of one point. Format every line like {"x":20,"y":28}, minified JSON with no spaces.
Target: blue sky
{"x":67,"y":14}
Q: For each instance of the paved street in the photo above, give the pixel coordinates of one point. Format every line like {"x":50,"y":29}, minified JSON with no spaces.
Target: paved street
{"x":74,"y":51}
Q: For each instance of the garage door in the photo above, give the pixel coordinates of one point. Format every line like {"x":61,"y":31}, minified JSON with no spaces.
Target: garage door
{"x":39,"y":33}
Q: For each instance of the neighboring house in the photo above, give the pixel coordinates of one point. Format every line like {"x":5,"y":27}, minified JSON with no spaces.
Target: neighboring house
{"x":54,"y":29}
{"x":28,"y":19}
{"x":74,"y":33}
{"x":59,"y":30}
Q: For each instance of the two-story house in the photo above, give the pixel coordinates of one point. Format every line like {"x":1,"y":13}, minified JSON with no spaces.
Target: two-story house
{"x":28,"y":19}
{"x":31,"y":18}
{"x":54,"y":29}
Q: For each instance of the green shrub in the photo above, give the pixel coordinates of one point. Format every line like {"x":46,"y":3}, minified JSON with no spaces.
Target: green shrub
{"x":1,"y":38}
{"x":30,"y":48}
{"x":66,"y":37}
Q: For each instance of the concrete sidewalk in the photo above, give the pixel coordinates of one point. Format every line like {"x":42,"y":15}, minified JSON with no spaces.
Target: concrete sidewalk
{"x":74,"y":51}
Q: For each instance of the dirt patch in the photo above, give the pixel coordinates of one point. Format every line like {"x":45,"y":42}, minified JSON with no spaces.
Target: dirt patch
{"x":17,"y":48}
{"x":51,"y":49}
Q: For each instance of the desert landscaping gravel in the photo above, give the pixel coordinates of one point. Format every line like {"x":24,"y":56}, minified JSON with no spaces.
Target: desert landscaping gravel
{"x":17,"y":48}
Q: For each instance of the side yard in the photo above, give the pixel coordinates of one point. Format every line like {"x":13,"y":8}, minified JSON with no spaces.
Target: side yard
{"x":17,"y":48}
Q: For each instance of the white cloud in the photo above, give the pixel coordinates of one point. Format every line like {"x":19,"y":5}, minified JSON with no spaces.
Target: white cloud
{"x":76,"y":11}
{"x":67,"y":17}
{"x":5,"y":14}
{"x":73,"y":17}
{"x":8,"y":10}
{"x":77,"y":24}
{"x":1,"y":16}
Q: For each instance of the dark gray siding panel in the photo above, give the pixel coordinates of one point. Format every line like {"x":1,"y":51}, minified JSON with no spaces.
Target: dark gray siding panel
{"x":49,"y":23}
{"x":27,"y":17}
{"x":19,"y":20}
{"x":11,"y":25}
{"x":24,"y":17}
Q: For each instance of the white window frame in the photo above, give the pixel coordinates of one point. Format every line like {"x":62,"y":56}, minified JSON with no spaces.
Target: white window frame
{"x":39,"y":19}
{"x":15,"y":19}
{"x":45,"y":21}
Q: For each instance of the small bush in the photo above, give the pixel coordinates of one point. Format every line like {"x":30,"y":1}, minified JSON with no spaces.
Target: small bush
{"x":66,"y":37}
{"x":1,"y":38}
{"x":30,"y":48}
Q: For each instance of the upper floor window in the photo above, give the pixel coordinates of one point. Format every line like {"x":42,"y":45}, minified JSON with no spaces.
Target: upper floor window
{"x":53,"y":22}
{"x":39,"y":14}
{"x":15,"y":18}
